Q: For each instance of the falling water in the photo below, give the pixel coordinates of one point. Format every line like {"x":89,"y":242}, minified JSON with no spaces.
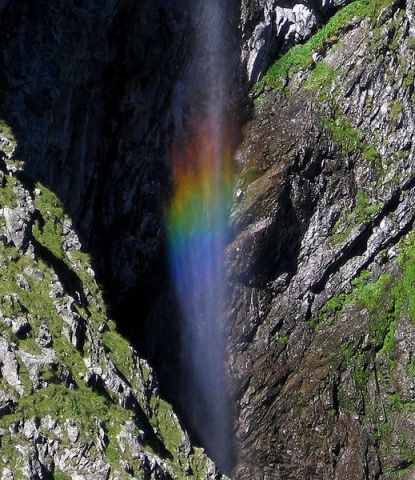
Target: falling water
{"x":197,"y":222}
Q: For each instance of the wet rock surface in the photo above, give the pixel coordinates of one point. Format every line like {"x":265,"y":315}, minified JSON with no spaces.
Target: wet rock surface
{"x":322,"y":374}
{"x":325,"y":198}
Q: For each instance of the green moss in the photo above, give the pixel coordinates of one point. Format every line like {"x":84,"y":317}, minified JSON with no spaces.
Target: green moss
{"x":58,"y":475}
{"x":48,"y":230}
{"x":312,"y":322}
{"x":283,"y":340}
{"x":403,"y":473}
{"x":84,"y":405}
{"x":11,"y":457}
{"x":300,"y":57}
{"x":8,"y":133}
{"x":321,"y":78}
{"x":406,"y":298}
{"x":372,"y":155}
{"x":347,"y":222}
{"x":384,"y":301}
{"x":7,"y":195}
{"x":166,"y":424}
{"x":344,"y":134}
{"x":409,"y":78}
{"x":396,"y":110}
{"x":120,"y":352}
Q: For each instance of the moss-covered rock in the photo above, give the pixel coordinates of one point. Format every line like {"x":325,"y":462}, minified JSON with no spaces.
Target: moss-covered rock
{"x":320,"y":264}
{"x":75,"y":399}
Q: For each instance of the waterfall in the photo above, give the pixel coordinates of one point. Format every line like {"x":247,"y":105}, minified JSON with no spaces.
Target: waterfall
{"x":201,"y":162}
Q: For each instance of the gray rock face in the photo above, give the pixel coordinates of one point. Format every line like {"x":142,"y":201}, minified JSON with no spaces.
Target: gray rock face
{"x":324,"y":200}
{"x":92,"y":102}
{"x":324,"y":196}
{"x":75,"y":399}
{"x":16,"y":228}
{"x":91,"y":116}
{"x":273,"y":26}
{"x":10,"y":366}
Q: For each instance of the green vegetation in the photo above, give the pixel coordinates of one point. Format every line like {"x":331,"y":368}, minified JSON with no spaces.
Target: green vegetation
{"x":406,"y":298}
{"x":321,"y":79}
{"x":347,"y":222}
{"x":35,"y":285}
{"x":346,"y":136}
{"x":7,"y":196}
{"x":120,"y":351}
{"x":300,"y":57}
{"x":84,"y":405}
{"x":166,"y":424}
{"x":283,"y":340}
{"x":6,"y":132}
{"x":409,"y":78}
{"x":48,"y":231}
{"x":50,"y":263}
{"x":396,"y":109}
{"x":61,"y":476}
{"x":380,"y":303}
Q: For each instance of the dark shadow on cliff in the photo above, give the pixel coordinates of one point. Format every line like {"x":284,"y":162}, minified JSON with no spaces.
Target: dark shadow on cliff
{"x":87,"y":91}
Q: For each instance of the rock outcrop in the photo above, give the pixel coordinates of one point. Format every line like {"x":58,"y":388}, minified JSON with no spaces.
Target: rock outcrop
{"x":321,"y":262}
{"x":271,"y":27}
{"x":321,"y":315}
{"x":76,"y":401}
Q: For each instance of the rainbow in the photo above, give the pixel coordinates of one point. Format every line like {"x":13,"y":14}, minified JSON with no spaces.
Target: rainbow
{"x":197,"y":229}
{"x":198,"y":213}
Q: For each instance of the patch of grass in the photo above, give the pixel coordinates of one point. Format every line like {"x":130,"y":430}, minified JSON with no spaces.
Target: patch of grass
{"x":406,"y":298}
{"x":7,"y":195}
{"x":322,"y":76}
{"x":384,"y":301}
{"x":58,"y":475}
{"x":396,"y":109}
{"x":347,"y":222}
{"x":48,"y":229}
{"x":300,"y":57}
{"x":166,"y":424}
{"x":372,"y":155}
{"x":11,"y":457}
{"x":409,"y":78}
{"x":6,"y":132}
{"x":374,"y":296}
{"x":344,"y":134}
{"x":120,"y":352}
{"x":84,"y":405}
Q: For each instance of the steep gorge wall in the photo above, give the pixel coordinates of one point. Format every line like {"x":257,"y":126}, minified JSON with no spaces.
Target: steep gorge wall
{"x":87,"y":90}
{"x":321,"y":265}
{"x":323,"y":199}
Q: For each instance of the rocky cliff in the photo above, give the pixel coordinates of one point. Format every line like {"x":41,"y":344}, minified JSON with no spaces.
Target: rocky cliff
{"x":76,"y":401}
{"x":321,"y":265}
{"x":85,"y":95}
{"x":321,"y":260}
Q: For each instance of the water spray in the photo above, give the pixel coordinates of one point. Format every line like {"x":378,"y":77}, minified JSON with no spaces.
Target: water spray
{"x":197,"y":221}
